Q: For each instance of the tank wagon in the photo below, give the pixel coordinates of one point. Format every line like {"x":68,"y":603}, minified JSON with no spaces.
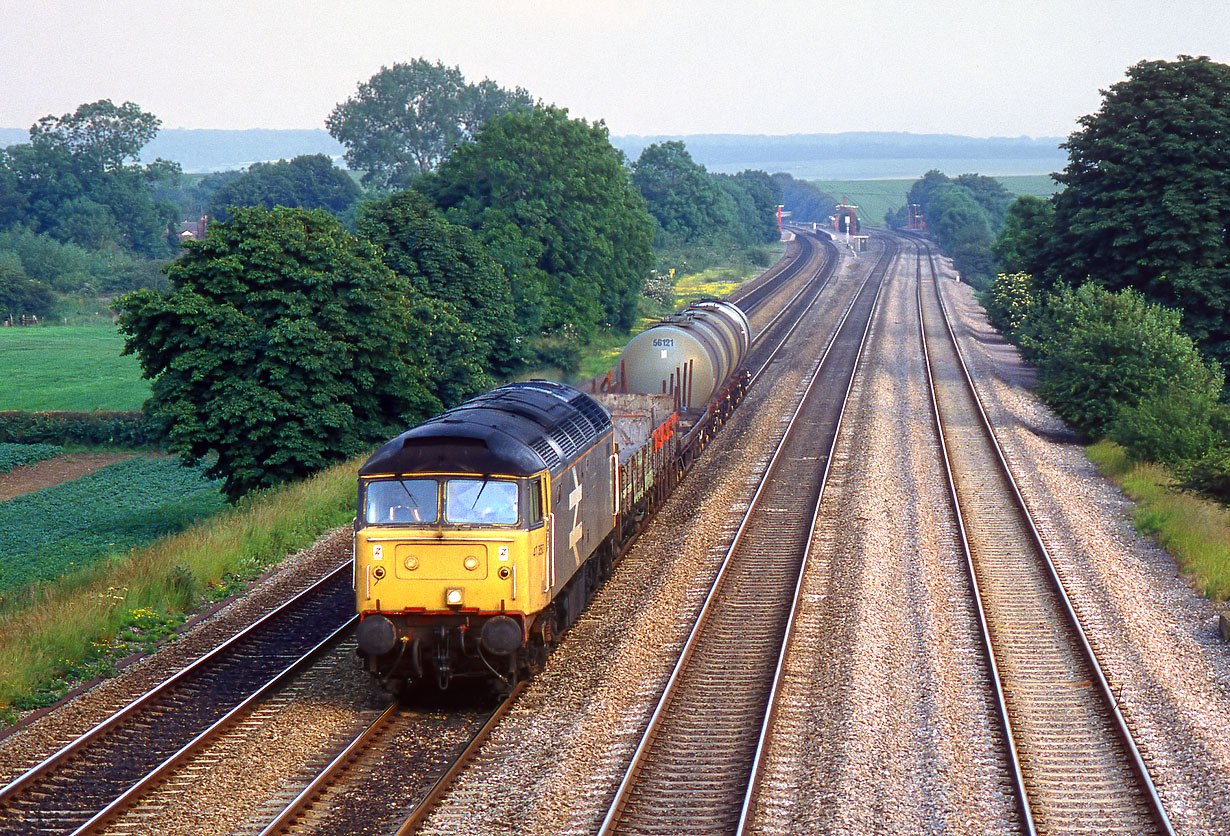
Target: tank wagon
{"x":481,"y":534}
{"x":693,"y":353}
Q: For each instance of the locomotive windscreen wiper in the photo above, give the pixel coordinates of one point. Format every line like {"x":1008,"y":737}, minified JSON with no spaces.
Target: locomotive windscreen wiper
{"x":409,"y":495}
{"x":478,"y":495}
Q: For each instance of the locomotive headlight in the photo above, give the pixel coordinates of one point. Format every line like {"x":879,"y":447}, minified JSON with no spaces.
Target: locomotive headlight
{"x":471,"y":562}
{"x":412,"y":563}
{"x":453,"y":597}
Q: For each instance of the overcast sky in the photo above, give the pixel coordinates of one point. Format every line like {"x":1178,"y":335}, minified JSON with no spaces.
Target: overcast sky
{"x":990,"y":68}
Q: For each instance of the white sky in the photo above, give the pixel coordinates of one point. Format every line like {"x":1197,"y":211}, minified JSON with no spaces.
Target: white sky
{"x":990,"y":68}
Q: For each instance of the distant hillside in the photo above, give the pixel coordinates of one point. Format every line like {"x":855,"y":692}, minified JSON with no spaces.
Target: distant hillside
{"x":864,"y":155}
{"x":842,"y":156}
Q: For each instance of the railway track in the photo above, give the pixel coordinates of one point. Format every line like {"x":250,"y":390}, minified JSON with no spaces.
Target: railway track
{"x":370,"y":758}
{"x":94,"y":777}
{"x":1073,"y":759}
{"x":692,"y":770}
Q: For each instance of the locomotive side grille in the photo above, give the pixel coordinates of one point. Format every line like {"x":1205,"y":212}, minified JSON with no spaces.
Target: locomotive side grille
{"x":570,"y":445}
{"x":545,"y":449}
{"x":596,"y":415}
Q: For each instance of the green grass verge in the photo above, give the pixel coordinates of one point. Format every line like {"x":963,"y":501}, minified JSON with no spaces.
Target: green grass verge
{"x":16,"y":455}
{"x":50,"y":532}
{"x":1194,"y":530}
{"x":77,"y":369}
{"x":56,"y":634}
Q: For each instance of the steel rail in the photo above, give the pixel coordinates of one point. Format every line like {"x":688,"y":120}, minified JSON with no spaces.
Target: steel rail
{"x":823,"y":274}
{"x":130,"y":796}
{"x":770,"y":718}
{"x":425,"y":807}
{"x":283,"y":820}
{"x":624,"y":789}
{"x":1107,"y":698}
{"x":1014,"y":763}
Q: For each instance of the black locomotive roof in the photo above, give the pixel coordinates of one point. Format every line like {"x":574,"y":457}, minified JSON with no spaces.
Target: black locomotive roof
{"x":518,"y":429}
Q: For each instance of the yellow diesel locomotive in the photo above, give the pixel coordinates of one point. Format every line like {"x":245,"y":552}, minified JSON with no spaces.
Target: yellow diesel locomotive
{"x":481,"y":534}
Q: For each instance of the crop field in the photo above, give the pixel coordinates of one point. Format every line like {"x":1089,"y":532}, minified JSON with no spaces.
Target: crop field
{"x":56,"y":530}
{"x":16,"y":455}
{"x":68,"y":368}
{"x":874,"y":198}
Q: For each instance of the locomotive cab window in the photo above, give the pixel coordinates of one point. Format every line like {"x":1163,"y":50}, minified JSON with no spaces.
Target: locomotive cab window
{"x":480,"y":501}
{"x":402,"y":501}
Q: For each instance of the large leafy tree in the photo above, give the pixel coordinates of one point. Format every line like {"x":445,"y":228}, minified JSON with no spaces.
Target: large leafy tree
{"x":756,"y":197}
{"x":1147,"y":197}
{"x":310,"y":181}
{"x":686,"y":202}
{"x":285,"y":345}
{"x":20,"y":295}
{"x":406,"y":118}
{"x":446,"y":262}
{"x":989,"y":193}
{"x":109,"y":134}
{"x":552,"y":202}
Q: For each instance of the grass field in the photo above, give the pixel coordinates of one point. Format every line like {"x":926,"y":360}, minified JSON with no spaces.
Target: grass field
{"x":874,"y":198}
{"x":62,"y":632}
{"x":68,"y":368}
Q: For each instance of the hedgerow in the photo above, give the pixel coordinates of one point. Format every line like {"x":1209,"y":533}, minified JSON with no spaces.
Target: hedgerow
{"x":122,"y":429}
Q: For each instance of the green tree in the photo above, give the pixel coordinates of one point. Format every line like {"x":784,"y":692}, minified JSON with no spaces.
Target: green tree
{"x":406,"y":118}
{"x":756,"y":197}
{"x":1021,"y":244}
{"x":552,"y":202}
{"x":687,"y":203}
{"x":805,"y":201}
{"x":310,"y":181}
{"x":111,"y":136}
{"x":446,"y":262}
{"x":20,"y":295}
{"x":1147,"y":197}
{"x":989,"y":193}
{"x":71,"y":181}
{"x":963,"y":229}
{"x":283,"y":346}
